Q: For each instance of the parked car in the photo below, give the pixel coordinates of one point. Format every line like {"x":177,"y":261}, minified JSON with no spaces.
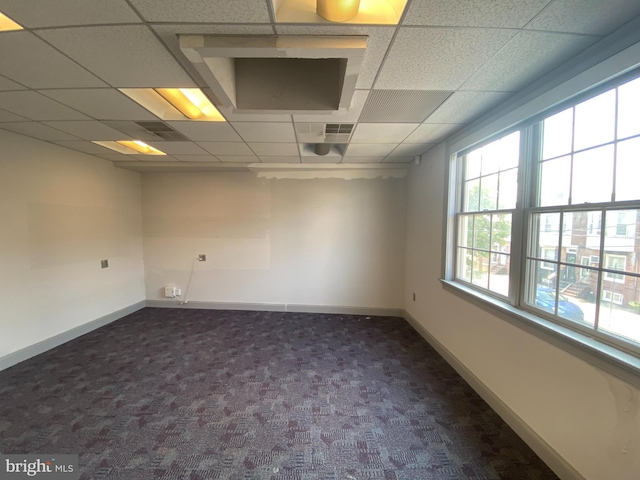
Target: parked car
{"x":546,"y":299}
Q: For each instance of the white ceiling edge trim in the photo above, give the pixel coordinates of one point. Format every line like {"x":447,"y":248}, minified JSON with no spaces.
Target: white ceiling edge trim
{"x":607,"y":59}
{"x":320,"y":171}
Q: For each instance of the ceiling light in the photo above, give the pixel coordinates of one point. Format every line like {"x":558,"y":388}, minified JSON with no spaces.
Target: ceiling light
{"x":338,"y":10}
{"x":130,"y":147}
{"x":6,"y":24}
{"x":175,"y":103}
{"x":141,"y":147}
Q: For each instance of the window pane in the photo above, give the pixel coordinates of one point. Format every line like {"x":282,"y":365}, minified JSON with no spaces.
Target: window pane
{"x":620,"y":308}
{"x":577,"y":300}
{"x":557,"y":134}
{"x":554,"y":182}
{"x":491,"y":154}
{"x":472,"y":168}
{"x":510,"y":151}
{"x":628,"y":170}
{"x":472,"y":196}
{"x":595,"y":121}
{"x":541,"y":289}
{"x":629,"y":109}
{"x":481,"y":231}
{"x":581,"y":234}
{"x":464,"y":264}
{"x":499,"y":274}
{"x":592,"y":176}
{"x":501,"y":233}
{"x":465,"y":231}
{"x":489,"y":196}
{"x":480,"y":275}
{"x":546,"y":239}
{"x":622,"y":235}
{"x":508,"y":189}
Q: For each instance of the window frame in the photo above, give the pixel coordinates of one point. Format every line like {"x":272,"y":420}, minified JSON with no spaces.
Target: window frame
{"x":530,"y":145}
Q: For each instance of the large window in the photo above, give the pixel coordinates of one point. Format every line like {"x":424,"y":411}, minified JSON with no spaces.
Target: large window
{"x":548,"y":216}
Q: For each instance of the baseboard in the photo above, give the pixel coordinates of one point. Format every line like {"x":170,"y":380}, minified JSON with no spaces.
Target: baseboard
{"x":541,"y":447}
{"x":281,"y":307}
{"x":57,"y":340}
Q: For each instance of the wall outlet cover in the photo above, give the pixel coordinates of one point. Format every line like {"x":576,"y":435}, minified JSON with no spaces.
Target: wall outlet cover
{"x":104,"y":263}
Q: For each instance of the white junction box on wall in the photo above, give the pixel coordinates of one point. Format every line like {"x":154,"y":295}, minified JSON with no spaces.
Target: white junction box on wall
{"x":172,"y":292}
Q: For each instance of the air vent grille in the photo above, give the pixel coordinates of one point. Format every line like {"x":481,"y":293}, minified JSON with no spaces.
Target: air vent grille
{"x":339,"y":128}
{"x":163,"y":131}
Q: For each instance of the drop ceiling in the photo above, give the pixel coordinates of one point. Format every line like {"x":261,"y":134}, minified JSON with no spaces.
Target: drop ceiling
{"x":441,"y":67}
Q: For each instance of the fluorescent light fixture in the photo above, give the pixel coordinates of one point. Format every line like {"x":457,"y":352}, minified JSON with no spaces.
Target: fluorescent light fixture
{"x":175,"y":103}
{"x":6,"y":24}
{"x":130,"y":147}
{"x":338,"y":10}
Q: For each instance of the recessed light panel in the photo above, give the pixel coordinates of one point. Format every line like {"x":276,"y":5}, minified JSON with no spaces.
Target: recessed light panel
{"x":6,"y":24}
{"x":130,"y":147}
{"x":176,"y":103}
{"x":371,"y":12}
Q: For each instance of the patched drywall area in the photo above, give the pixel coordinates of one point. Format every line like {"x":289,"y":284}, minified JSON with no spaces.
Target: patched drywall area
{"x":588,"y":416}
{"x":311,"y":242}
{"x":63,"y":212}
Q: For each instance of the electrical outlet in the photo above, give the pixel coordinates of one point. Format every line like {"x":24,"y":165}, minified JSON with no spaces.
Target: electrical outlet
{"x":414,"y":296}
{"x":202,"y":257}
{"x":104,"y":263}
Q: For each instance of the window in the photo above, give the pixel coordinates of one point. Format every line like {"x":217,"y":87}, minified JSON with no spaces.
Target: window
{"x":547,"y":216}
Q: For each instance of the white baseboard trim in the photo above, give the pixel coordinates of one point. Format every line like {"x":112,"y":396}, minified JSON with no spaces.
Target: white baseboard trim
{"x":57,"y":340}
{"x":544,"y":450}
{"x":281,"y":307}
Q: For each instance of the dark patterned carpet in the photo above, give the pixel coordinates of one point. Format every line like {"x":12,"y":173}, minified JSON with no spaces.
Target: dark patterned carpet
{"x":195,"y":394}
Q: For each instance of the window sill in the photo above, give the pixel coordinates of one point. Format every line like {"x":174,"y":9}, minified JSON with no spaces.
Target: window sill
{"x":604,"y":356}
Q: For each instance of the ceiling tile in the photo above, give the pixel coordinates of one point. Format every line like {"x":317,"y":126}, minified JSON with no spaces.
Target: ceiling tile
{"x":526,"y":57}
{"x":153,"y":158}
{"x":377,"y":44}
{"x":410,"y":150}
{"x":445,"y":59}
{"x":37,"y":130}
{"x":117,"y":157}
{"x":321,"y":159}
{"x":207,"y":131}
{"x":83,"y":146}
{"x":357,"y":104}
{"x":196,"y":158}
{"x":27,"y":59}
{"x":432,"y":133}
{"x":400,"y":159}
{"x":204,"y":11}
{"x":585,"y":16}
{"x":362,"y":159}
{"x":179,"y":148}
{"x":11,"y":117}
{"x":101,"y":103}
{"x":382,"y":132}
{"x":401,"y":106}
{"x":463,"y":107}
{"x":369,"y":150}
{"x":6,"y":84}
{"x":37,"y":107}
{"x":265,"y":159}
{"x":122,"y":55}
{"x":68,"y":12}
{"x":265,"y":132}
{"x":226,"y":148}
{"x":473,"y":13}
{"x":275,"y":149}
{"x":258,"y":117}
{"x":238,"y":159}
{"x":89,"y":130}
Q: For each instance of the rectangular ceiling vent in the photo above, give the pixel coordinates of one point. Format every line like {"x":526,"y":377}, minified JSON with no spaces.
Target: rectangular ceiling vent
{"x":324,"y":133}
{"x":162,"y":131}
{"x":339,"y":128}
{"x":278,"y":74}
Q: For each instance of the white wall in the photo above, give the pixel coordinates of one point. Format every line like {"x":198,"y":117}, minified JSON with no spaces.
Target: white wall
{"x":62,"y":212}
{"x":589,"y":417}
{"x":307,"y":242}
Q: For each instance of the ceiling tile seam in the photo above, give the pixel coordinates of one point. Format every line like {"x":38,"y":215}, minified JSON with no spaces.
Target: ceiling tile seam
{"x":71,"y":59}
{"x":548,"y":4}
{"x":21,"y":84}
{"x":272,"y":15}
{"x":561,"y":32}
{"x":84,"y":25}
{"x":384,"y":58}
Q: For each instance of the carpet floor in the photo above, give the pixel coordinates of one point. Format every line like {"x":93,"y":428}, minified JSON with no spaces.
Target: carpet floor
{"x":199,"y":394}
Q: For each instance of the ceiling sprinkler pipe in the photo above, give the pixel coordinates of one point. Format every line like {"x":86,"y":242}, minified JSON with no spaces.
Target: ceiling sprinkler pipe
{"x":322,"y":148}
